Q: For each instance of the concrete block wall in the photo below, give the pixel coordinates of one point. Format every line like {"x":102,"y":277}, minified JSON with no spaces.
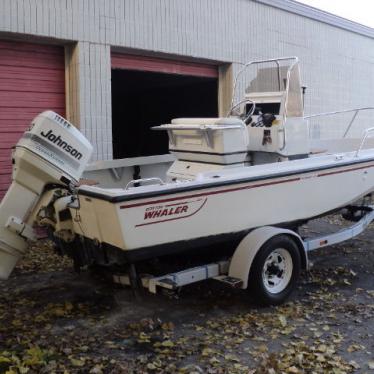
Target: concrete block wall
{"x":95,"y":112}
{"x":337,"y":65}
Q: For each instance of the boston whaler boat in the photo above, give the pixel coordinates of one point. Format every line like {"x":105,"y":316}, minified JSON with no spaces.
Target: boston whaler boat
{"x":251,"y":178}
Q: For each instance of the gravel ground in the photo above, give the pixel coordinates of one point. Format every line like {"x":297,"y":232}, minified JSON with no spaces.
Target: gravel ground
{"x":53,"y":320}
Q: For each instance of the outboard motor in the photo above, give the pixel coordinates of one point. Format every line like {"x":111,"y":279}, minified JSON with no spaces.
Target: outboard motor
{"x":51,"y":152}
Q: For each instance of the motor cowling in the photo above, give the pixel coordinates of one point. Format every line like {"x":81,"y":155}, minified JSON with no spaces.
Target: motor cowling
{"x":51,"y":152}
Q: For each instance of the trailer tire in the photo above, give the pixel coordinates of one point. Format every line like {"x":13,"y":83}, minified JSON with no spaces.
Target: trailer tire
{"x":275,"y":270}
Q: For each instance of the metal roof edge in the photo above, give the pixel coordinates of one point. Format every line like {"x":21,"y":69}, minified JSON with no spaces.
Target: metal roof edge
{"x":319,"y":15}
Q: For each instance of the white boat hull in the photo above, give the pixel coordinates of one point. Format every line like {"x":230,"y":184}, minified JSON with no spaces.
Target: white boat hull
{"x":230,"y":206}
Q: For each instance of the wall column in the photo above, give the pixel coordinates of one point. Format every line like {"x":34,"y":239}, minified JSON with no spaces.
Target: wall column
{"x":88,"y":94}
{"x":225,"y":85}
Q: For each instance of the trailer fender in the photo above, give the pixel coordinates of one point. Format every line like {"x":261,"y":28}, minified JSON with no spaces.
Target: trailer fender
{"x":247,"y":249}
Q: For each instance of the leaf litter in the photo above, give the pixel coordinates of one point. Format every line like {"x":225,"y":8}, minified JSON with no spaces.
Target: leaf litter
{"x":44,"y":328}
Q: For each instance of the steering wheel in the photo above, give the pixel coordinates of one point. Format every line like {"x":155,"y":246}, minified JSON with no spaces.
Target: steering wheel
{"x":244,"y":117}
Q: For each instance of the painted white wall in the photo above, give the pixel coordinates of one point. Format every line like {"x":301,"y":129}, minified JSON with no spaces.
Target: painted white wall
{"x":337,"y":65}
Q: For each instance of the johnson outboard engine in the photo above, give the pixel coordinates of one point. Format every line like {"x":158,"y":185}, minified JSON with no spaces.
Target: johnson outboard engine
{"x":52,"y":152}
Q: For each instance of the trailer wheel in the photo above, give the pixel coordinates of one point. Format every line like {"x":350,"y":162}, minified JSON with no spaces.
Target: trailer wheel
{"x":275,"y":270}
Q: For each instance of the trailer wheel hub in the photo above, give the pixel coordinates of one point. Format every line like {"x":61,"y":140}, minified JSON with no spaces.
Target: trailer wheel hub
{"x":277,"y":270}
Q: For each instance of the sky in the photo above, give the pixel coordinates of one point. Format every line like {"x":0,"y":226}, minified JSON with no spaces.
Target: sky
{"x":361,"y":11}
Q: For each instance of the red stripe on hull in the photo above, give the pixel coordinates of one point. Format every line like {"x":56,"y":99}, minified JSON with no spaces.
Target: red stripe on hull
{"x":239,"y":188}
{"x":208,"y":193}
{"x":344,"y":171}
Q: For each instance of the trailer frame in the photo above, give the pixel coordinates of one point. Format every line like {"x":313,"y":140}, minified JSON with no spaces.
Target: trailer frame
{"x":235,"y":271}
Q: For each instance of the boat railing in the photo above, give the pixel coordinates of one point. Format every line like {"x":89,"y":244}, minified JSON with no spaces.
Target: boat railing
{"x":355,"y":112}
{"x":294,"y":61}
{"x":277,"y":61}
{"x":367,"y":132}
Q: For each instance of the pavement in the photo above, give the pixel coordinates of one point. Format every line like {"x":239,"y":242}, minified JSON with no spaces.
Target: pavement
{"x":53,"y":320}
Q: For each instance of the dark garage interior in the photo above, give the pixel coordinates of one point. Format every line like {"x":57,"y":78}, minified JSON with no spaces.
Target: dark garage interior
{"x":141,"y":100}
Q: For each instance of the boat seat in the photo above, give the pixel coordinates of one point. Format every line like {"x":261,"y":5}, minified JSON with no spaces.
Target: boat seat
{"x":207,"y":121}
{"x":195,"y":121}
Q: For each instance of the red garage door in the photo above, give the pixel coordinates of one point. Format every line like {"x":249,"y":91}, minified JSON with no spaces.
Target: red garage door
{"x":32,"y":79}
{"x":160,"y":65}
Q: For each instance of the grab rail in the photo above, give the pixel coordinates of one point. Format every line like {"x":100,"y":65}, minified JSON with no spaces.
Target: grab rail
{"x":238,"y":105}
{"x":256,"y":62}
{"x":366,"y":134}
{"x":145,"y":180}
{"x":277,"y":61}
{"x":355,"y":110}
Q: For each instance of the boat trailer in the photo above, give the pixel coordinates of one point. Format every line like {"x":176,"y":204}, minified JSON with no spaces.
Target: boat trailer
{"x":230,"y":272}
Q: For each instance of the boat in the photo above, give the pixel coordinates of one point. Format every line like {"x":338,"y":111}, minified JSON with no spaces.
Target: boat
{"x":257,"y":167}
{"x":230,"y":175}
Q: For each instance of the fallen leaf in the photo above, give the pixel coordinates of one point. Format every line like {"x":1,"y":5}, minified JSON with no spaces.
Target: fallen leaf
{"x":282,"y":320}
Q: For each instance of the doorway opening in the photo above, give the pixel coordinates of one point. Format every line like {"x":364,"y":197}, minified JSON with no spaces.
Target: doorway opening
{"x":142,"y":99}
